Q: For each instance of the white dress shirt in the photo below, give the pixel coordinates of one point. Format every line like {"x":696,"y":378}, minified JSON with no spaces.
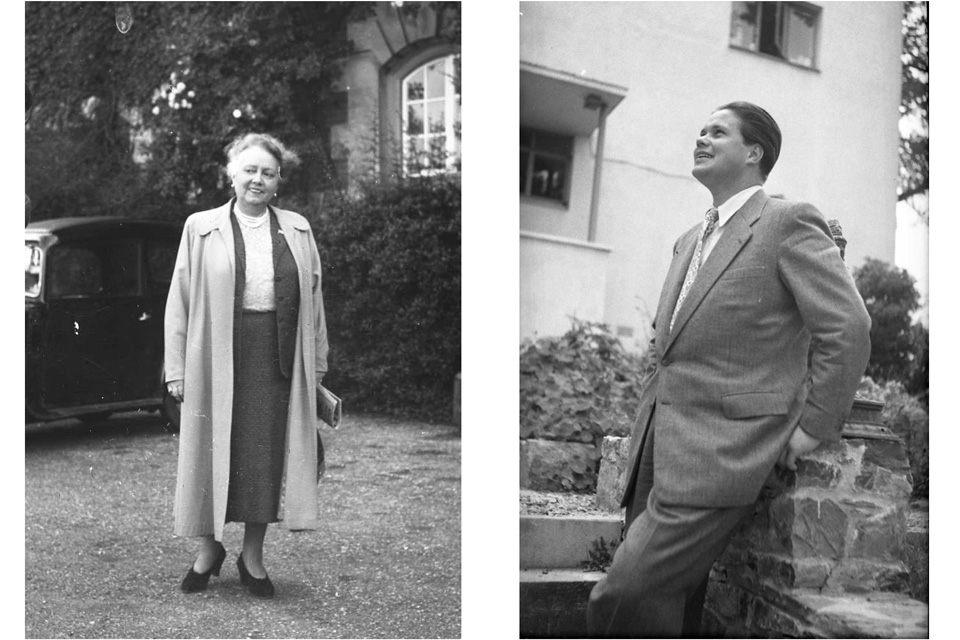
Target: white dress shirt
{"x":727,"y":209}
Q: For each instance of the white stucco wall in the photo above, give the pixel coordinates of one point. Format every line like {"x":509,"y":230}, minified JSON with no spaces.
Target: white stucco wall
{"x":839,"y":126}
{"x":563,"y":279}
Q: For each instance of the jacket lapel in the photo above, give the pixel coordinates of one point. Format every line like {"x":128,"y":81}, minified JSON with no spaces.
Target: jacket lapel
{"x":736,"y":234}
{"x":683,"y":254}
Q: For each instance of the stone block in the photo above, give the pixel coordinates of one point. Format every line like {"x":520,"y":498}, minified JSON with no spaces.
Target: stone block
{"x":866,"y":576}
{"x":878,"y":615}
{"x":553,"y":604}
{"x":726,"y":600}
{"x":816,"y":473}
{"x":895,"y":485}
{"x":612,"y":478}
{"x":564,"y":541}
{"x":889,"y":454}
{"x":809,"y":573}
{"x":880,"y":537}
{"x":810,"y":528}
{"x":547,"y":465}
{"x":774,"y":622}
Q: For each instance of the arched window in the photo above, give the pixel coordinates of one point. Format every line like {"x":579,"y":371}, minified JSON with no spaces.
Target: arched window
{"x":431,"y":117}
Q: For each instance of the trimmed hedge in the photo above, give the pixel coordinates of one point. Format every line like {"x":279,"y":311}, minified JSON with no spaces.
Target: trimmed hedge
{"x":391,"y":282}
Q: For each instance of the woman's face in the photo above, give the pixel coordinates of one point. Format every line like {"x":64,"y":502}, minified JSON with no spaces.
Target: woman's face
{"x":256,"y":177}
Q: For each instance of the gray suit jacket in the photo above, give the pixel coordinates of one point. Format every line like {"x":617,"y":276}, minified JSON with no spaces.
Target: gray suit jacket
{"x":733,"y":378}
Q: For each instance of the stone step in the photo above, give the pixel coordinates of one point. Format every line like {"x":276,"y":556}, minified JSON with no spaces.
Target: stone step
{"x":553,"y":602}
{"x":564,"y":541}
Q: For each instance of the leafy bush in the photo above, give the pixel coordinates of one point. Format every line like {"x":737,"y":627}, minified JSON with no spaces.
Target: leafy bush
{"x":580,"y":386}
{"x":600,"y":555}
{"x":391,"y":271}
{"x":898,"y":351}
{"x":905,"y":416}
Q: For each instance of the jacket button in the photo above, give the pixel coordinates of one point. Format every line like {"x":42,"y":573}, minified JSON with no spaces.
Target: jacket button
{"x":665,"y":362}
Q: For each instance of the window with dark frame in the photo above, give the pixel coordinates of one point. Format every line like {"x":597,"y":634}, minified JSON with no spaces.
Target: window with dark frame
{"x":545,"y":161}
{"x":786,"y":30}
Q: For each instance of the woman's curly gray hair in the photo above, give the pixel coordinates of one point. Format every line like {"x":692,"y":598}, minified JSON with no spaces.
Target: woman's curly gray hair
{"x":286,"y":157}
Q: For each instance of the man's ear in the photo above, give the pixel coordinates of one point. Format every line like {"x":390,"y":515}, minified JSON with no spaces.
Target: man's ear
{"x":755,"y":154}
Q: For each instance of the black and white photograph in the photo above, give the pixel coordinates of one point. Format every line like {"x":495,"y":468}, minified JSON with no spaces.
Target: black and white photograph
{"x":724,"y":312}
{"x":243,"y":320}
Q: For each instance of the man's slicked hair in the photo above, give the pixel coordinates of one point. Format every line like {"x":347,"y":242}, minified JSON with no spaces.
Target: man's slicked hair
{"x":758,"y":127}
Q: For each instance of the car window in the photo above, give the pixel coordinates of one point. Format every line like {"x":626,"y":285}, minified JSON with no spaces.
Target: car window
{"x":100,"y":268}
{"x":161,"y":258}
{"x":32,"y":268}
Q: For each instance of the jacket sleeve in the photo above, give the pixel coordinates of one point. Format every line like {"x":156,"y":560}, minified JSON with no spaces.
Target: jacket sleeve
{"x":177,"y":311}
{"x":833,"y":312}
{"x":320,"y":322}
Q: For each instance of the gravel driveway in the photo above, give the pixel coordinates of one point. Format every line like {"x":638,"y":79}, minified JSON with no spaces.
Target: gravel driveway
{"x":102,"y":561}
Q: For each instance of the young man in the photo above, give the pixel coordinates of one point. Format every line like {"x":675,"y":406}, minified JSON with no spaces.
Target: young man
{"x":761,"y":341}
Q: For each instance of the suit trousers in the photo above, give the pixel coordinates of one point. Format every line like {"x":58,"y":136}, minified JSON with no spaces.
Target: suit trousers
{"x":656,"y":586}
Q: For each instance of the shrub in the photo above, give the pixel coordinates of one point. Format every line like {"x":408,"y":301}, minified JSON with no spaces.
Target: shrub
{"x":905,"y":416}
{"x":391,"y":272}
{"x":897,"y":349}
{"x":580,"y":386}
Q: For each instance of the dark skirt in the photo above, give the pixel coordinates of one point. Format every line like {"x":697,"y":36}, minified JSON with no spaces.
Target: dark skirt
{"x":258,"y":436}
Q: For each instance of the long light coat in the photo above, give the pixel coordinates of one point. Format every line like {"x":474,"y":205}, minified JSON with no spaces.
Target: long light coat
{"x":772,"y":334}
{"x":199,"y":350}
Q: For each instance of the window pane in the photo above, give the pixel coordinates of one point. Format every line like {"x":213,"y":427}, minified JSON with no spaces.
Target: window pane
{"x":554,"y":143}
{"x":101,"y":269}
{"x":415,"y":119}
{"x":412,"y":154}
{"x":415,"y":85}
{"x":800,"y":36}
{"x":549,"y":177}
{"x":526,"y":137}
{"x":743,"y":25}
{"x":161,"y":258}
{"x":524,"y":160}
{"x":74,"y":272}
{"x":435,"y":113}
{"x":438,"y":152}
{"x":32,"y":266}
{"x":770,"y":29}
{"x":121,"y":273}
{"x":436,"y":79}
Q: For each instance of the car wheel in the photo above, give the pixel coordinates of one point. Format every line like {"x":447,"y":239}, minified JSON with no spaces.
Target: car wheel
{"x":170,"y":411}
{"x":94,"y":418}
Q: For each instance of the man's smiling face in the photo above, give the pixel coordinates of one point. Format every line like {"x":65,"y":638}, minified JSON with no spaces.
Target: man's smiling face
{"x":721,"y":155}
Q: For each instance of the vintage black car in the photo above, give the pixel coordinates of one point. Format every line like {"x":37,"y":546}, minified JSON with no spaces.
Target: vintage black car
{"x":95,"y":293}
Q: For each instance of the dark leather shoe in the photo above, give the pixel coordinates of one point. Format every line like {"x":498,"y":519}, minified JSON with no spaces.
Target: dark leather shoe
{"x":194,"y":581}
{"x":260,"y":587}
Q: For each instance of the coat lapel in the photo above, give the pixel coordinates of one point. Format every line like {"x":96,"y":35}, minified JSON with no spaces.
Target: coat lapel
{"x":736,"y":234}
{"x":219,"y":220}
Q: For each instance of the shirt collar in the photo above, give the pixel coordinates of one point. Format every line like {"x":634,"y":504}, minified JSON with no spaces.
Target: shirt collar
{"x":733,"y":204}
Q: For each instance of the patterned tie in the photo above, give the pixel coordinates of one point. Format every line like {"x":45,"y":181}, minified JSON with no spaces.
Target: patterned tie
{"x":709,"y":224}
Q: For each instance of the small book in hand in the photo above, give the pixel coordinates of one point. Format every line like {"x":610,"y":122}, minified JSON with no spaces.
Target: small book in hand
{"x":329,"y":406}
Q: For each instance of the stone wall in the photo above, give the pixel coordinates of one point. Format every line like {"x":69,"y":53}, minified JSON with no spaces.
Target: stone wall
{"x":823,"y":553}
{"x":557,"y":465}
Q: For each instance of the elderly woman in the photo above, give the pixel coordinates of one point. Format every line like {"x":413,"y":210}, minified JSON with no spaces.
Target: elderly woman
{"x":246,"y":347}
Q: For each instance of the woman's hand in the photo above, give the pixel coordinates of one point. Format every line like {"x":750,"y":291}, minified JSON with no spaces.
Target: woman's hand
{"x":175,"y":389}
